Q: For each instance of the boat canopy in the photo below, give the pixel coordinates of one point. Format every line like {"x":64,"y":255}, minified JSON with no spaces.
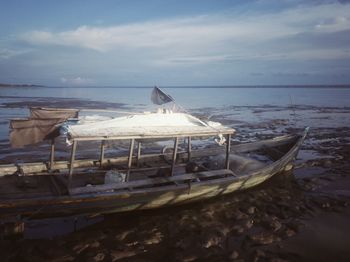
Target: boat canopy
{"x":158,"y":125}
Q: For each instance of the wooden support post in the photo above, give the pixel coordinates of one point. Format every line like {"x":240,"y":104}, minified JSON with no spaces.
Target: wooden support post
{"x":176,"y":143}
{"x":228,"y":149}
{"x":131,"y":151}
{"x":102,"y":153}
{"x":52,"y":154}
{"x":189,"y":148}
{"x":72,"y":158}
{"x":138,"y":152}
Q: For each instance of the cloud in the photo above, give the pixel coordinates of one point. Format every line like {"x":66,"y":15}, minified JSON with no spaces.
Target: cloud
{"x":208,"y":38}
{"x":8,"y":53}
{"x":339,"y":23}
{"x":76,"y":81}
{"x":145,"y":35}
{"x":224,"y":47}
{"x":177,"y":33}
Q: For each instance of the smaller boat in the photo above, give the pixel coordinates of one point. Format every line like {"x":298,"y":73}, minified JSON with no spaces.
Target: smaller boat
{"x":201,"y":163}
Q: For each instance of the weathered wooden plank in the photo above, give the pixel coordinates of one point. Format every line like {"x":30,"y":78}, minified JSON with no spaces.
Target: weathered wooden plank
{"x":102,"y":153}
{"x":138,"y":156}
{"x":72,"y":157}
{"x":176,"y":144}
{"x":52,"y":154}
{"x":27,"y":168}
{"x":8,"y":169}
{"x":148,"y":182}
{"x":189,"y":148}
{"x":186,"y":133}
{"x":131,"y":151}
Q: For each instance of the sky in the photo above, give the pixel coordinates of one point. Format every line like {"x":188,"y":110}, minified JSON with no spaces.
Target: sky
{"x":175,"y":42}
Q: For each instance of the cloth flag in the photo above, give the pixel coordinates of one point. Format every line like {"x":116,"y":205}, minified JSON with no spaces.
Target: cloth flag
{"x":158,"y":97}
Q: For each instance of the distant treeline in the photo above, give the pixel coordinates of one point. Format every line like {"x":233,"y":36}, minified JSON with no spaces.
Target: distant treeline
{"x":219,"y":86}
{"x":19,"y":85}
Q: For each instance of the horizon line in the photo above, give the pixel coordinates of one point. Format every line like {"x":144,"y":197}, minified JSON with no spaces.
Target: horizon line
{"x":184,"y":86}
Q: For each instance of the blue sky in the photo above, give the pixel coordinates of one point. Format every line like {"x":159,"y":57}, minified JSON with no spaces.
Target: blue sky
{"x":175,"y":43}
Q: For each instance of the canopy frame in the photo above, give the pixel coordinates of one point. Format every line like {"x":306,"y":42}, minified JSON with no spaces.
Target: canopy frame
{"x":228,"y":132}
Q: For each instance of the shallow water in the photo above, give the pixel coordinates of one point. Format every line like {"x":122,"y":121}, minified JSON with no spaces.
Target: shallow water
{"x":196,"y":97}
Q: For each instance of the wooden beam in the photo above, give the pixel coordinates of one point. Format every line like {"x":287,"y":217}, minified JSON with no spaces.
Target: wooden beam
{"x":176,"y":143}
{"x":131,"y":151}
{"x":228,"y":150}
{"x":180,"y":133}
{"x":72,"y":158}
{"x":139,"y":146}
{"x":189,"y":148}
{"x":52,"y":154}
{"x":102,"y":153}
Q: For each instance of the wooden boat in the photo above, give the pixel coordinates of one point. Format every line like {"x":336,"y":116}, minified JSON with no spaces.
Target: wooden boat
{"x":58,"y":188}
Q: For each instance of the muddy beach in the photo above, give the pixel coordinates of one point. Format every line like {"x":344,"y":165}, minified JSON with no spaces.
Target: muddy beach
{"x":302,"y":216}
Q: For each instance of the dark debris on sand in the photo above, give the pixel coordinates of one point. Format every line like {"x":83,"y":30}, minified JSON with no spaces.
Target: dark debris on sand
{"x":251,"y":226}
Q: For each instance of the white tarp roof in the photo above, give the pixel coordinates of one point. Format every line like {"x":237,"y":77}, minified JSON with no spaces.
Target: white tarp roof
{"x":151,"y":124}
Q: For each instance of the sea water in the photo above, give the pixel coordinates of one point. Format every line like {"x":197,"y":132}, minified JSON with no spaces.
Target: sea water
{"x":193,"y":97}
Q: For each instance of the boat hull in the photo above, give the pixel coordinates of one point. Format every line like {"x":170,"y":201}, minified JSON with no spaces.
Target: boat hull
{"x":150,"y":198}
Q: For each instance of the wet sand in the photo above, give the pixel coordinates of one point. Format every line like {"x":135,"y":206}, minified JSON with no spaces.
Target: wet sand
{"x":300,"y":217}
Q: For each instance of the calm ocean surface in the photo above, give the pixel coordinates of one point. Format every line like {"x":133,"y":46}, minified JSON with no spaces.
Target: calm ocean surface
{"x":195,"y":97}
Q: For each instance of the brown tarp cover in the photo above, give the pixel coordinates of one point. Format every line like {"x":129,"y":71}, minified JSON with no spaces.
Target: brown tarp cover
{"x":42,"y":125}
{"x":44,"y":112}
